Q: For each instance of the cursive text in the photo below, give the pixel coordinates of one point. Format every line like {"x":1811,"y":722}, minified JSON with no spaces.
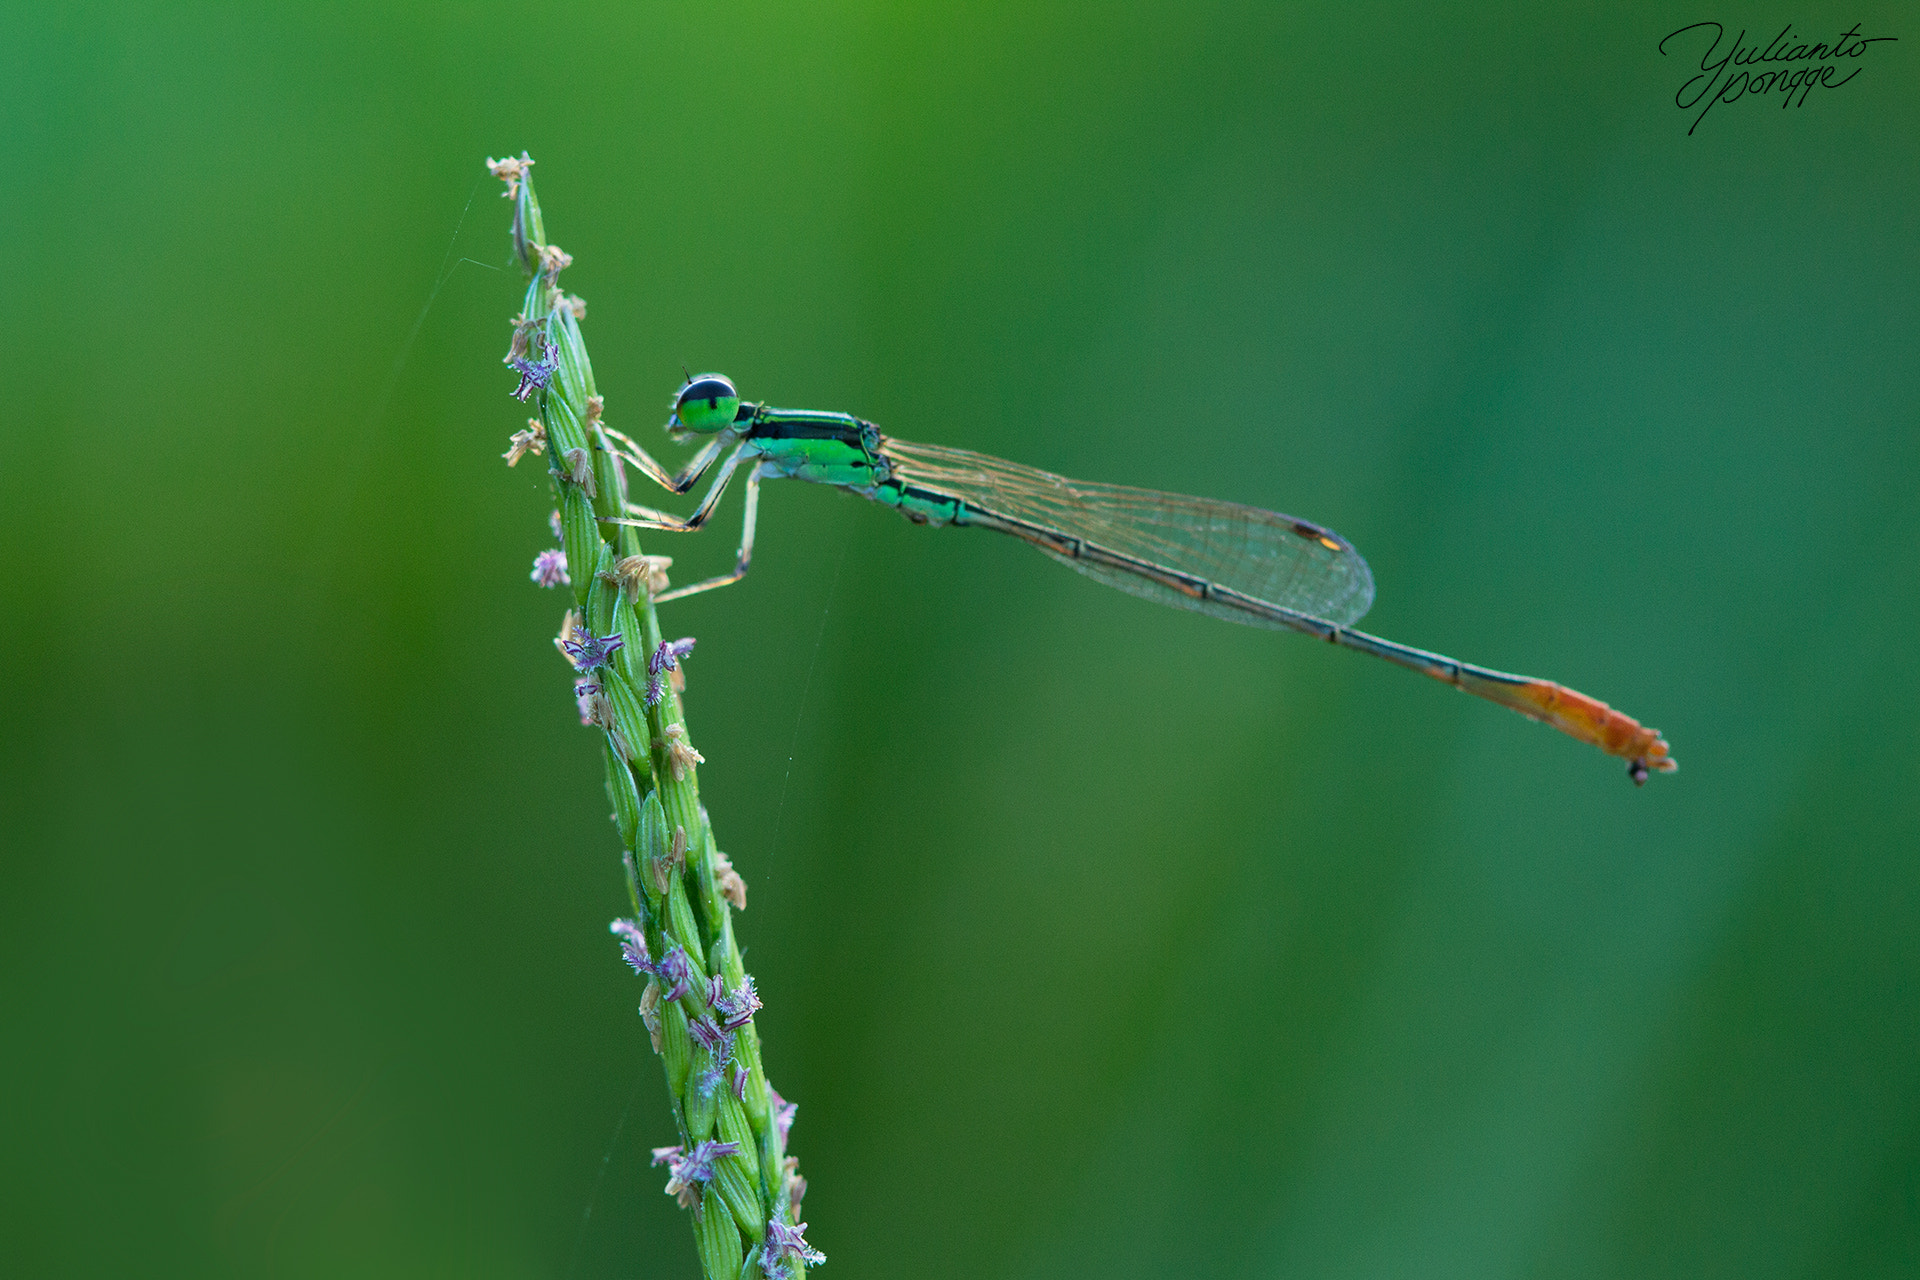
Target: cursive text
{"x":1746,"y":70}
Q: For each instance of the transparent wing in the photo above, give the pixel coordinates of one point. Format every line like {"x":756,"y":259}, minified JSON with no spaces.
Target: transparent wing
{"x":1274,"y":558}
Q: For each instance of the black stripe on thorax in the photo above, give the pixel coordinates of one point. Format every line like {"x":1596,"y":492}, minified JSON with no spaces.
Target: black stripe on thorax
{"x":800,"y":427}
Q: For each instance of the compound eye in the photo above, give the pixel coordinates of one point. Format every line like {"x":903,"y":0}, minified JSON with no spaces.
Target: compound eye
{"x":707,"y":403}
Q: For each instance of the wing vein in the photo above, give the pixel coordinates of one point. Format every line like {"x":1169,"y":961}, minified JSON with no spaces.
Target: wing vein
{"x":1276,"y":559}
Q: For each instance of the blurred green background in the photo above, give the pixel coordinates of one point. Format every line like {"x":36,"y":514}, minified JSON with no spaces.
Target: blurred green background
{"x":1097,"y":939}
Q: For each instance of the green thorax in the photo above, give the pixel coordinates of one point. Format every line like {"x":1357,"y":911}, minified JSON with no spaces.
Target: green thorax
{"x":825,"y":448}
{"x":840,"y":449}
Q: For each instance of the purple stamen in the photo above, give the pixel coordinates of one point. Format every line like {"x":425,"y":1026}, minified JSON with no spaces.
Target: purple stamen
{"x":783,"y":1240}
{"x":550,"y":569}
{"x":719,"y":1047}
{"x":587,"y":651}
{"x":715,"y":1041}
{"x":633,"y":946}
{"x":534,"y":375}
{"x":736,"y":1009}
{"x":668,"y":655}
{"x":665,"y":658}
{"x":687,"y":1170}
{"x":697,"y":1165}
{"x":583,"y":693}
{"x":673,"y":973}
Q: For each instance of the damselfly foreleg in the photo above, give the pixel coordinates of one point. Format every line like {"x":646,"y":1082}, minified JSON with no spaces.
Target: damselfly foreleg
{"x":677,"y":482}
{"x":648,"y":518}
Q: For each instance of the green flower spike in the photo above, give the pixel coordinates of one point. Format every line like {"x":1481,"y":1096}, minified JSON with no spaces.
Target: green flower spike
{"x":730,"y":1168}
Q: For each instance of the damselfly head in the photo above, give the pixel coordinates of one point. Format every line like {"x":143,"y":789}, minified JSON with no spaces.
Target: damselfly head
{"x":705,"y":404}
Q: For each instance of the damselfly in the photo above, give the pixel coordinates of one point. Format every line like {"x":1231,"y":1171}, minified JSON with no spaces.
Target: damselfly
{"x":1219,"y":558}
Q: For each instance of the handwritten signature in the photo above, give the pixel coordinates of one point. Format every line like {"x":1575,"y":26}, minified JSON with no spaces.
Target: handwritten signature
{"x":1745,"y":75}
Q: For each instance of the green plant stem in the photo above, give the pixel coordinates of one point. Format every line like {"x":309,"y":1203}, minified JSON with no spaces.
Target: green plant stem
{"x":680,"y":902}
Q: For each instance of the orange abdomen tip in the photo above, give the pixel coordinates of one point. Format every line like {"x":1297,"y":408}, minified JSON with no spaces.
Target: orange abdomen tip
{"x":1591,"y":720}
